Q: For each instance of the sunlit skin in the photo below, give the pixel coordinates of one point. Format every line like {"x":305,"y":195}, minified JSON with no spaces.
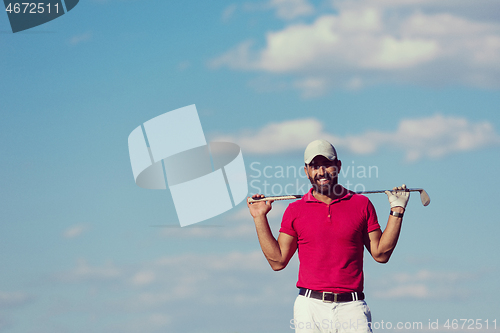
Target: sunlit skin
{"x":323,"y":175}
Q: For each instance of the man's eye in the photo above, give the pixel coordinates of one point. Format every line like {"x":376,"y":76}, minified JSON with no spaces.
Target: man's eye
{"x":326,"y":166}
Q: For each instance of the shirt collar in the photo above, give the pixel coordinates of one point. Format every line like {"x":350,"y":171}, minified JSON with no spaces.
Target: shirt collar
{"x":309,"y":197}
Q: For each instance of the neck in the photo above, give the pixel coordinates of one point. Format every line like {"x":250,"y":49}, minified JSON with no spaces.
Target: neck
{"x":337,"y":192}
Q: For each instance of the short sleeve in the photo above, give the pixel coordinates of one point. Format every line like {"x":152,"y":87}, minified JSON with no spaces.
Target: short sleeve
{"x":287,"y":222}
{"x":371,"y":218}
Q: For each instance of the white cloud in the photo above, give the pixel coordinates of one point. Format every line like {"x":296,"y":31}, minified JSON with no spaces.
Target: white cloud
{"x":12,"y":299}
{"x":85,"y":272}
{"x":430,"y":137}
{"x":424,"y":284}
{"x":228,"y":12}
{"x":237,"y":225}
{"x":160,"y":319}
{"x":142,"y":278}
{"x":278,"y":208}
{"x":148,"y":322}
{"x":75,"y":231}
{"x":237,"y":231}
{"x":184,"y":273}
{"x":420,"y":291}
{"x":81,"y":38}
{"x":219,"y":262}
{"x":222,"y":281}
{"x":354,"y":38}
{"x":311,"y":87}
{"x":380,"y":41}
{"x":279,"y":137}
{"x":439,"y":135}
{"x":183,"y":65}
{"x":425,"y":275}
{"x":284,"y":9}
{"x":290,"y":9}
{"x":479,"y":9}
{"x":238,"y":57}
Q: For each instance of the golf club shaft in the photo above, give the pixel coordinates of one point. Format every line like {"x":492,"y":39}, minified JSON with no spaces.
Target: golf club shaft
{"x":383,"y":191}
{"x":423,"y":196}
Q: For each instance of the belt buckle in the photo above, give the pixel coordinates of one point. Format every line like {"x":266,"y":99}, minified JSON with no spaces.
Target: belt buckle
{"x":327,"y":301}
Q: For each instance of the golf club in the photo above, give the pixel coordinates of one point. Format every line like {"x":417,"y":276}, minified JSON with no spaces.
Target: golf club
{"x":424,"y":197}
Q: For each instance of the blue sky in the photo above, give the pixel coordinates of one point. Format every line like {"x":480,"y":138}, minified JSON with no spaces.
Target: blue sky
{"x":409,"y":88}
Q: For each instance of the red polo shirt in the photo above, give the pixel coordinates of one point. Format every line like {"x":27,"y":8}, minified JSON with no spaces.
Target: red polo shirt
{"x":330,"y":240}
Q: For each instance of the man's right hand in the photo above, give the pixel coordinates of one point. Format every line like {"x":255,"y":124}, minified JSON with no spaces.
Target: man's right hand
{"x":277,"y":252}
{"x":260,"y":208}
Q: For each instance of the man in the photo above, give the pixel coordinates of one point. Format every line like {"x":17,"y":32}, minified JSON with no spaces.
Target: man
{"x":330,"y":226}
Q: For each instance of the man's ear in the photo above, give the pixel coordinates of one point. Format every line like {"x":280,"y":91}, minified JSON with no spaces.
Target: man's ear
{"x":339,"y":166}
{"x":306,"y":172}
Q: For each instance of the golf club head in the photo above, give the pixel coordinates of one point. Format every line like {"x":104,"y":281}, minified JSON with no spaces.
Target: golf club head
{"x":426,"y":200}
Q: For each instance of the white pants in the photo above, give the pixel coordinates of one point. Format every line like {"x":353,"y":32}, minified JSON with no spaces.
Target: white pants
{"x":315,"y":316}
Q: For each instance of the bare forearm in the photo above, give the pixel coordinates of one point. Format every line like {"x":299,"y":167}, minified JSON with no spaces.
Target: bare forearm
{"x":268,"y":243}
{"x":390,"y":236}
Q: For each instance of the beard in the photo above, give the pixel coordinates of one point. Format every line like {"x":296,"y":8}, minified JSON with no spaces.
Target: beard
{"x":324,"y":184}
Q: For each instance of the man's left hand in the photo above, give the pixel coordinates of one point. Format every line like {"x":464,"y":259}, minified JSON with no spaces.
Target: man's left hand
{"x":399,"y":196}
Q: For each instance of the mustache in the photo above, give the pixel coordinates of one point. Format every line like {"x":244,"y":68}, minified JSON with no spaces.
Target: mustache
{"x":326,"y":176}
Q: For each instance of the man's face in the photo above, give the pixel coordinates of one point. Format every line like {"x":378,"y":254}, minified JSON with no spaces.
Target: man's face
{"x":323,"y":174}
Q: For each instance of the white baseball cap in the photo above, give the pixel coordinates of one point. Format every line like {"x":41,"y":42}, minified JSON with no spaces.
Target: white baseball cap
{"x":319,"y":147}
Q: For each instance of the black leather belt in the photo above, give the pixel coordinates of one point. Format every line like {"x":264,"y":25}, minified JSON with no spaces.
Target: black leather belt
{"x":329,"y":297}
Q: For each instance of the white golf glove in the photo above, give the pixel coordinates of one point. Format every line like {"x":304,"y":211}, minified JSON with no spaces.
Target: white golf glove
{"x":398,"y":197}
